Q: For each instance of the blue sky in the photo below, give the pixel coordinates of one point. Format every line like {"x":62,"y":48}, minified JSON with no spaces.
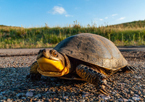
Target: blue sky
{"x":35,"y":13}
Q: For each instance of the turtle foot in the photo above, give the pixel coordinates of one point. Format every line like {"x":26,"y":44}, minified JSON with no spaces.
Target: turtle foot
{"x":93,"y":76}
{"x":33,"y":76}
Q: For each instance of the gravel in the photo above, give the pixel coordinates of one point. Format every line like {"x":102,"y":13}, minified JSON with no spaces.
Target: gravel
{"x":18,"y":51}
{"x":14,"y":86}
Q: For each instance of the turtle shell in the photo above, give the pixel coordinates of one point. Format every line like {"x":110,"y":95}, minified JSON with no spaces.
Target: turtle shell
{"x":93,"y":49}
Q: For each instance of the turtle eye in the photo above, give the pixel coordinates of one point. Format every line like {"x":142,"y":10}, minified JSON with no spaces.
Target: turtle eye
{"x":54,"y":53}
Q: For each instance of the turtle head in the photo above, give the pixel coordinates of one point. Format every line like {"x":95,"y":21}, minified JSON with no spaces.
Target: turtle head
{"x":52,"y":63}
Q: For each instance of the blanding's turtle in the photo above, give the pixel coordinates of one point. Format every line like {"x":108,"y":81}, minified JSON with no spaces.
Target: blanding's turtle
{"x":85,"y":56}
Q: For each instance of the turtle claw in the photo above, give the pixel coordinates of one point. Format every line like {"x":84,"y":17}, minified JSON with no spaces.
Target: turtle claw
{"x":131,"y":68}
{"x":107,"y":86}
{"x":134,"y":68}
{"x":102,"y":86}
{"x":103,"y":91}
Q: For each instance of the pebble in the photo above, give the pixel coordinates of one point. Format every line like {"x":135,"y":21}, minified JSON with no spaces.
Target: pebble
{"x":85,"y":94}
{"x":9,"y":100}
{"x":82,"y":100}
{"x":104,"y":97}
{"x":130,"y":100}
{"x":23,"y":98}
{"x":136,"y":97}
{"x":65,"y":97}
{"x":29,"y":94}
{"x":138,"y":77}
{"x":131,"y":92}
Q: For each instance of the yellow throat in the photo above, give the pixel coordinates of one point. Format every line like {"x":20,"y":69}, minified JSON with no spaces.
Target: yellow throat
{"x":52,"y":68}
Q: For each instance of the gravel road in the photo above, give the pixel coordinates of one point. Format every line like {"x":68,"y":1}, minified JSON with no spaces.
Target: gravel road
{"x":14,"y":66}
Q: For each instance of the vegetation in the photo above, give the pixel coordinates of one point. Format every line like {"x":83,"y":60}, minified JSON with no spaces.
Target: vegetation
{"x":132,"y":33}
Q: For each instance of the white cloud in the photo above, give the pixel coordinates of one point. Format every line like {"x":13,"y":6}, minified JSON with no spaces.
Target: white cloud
{"x":68,"y":15}
{"x":121,"y":18}
{"x":106,"y":17}
{"x":114,"y":14}
{"x":58,"y":10}
{"x":101,"y":19}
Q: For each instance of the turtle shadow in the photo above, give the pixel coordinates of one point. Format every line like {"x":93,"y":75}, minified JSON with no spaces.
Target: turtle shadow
{"x":18,"y":75}
{"x":54,"y":82}
{"x":17,"y":78}
{"x":18,"y":83}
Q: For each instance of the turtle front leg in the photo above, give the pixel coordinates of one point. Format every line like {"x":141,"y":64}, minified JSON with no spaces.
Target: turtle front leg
{"x":34,"y":74}
{"x":93,"y":76}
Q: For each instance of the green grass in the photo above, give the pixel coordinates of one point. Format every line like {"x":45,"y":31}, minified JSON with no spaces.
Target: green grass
{"x":132,"y":33}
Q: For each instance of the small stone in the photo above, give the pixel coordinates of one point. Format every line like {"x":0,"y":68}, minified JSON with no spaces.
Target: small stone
{"x":130,"y":100}
{"x":56,"y":99}
{"x":120,"y":99}
{"x":9,"y":100}
{"x":85,"y":94}
{"x":31,"y":89}
{"x":138,"y":77}
{"x":23,"y":98}
{"x":125,"y":100}
{"x":131,"y":92}
{"x":139,"y":92}
{"x":104,"y":97}
{"x":29,"y":94}
{"x":113,"y":93}
{"x":136,"y":97}
{"x":39,"y":101}
{"x":65,"y":97}
{"x":82,"y":100}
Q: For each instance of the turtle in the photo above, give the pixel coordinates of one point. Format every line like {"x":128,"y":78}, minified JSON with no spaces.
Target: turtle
{"x":85,"y":57}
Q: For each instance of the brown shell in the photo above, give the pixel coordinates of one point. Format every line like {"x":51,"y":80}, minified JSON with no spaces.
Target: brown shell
{"x":93,"y":49}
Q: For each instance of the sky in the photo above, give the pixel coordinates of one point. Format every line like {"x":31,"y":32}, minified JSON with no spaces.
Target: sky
{"x":38,"y":13}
